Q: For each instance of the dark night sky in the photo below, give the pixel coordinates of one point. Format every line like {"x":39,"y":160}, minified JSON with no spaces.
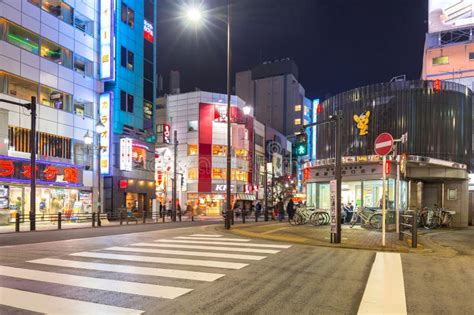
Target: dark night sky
{"x":337,"y":44}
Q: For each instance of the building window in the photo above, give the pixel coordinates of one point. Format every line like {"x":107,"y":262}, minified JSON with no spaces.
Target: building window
{"x":83,"y":66}
{"x":82,"y":155}
{"x":35,"y":2}
{"x":147,"y":110}
{"x":192,"y":125}
{"x":55,"y":53}
{"x":54,"y":98}
{"x":297,"y":108}
{"x":259,"y":140}
{"x":443,"y":60}
{"x":128,"y":15}
{"x":193,"y":149}
{"x":218,"y":173}
{"x":17,"y":87}
{"x":471,"y":56}
{"x":219,"y":150}
{"x":19,"y":36}
{"x":127,"y":58}
{"x":59,"y":9}
{"x":193,"y":173}
{"x":240,"y":175}
{"x":84,"y":24}
{"x":126,"y":102}
{"x":48,"y":144}
{"x":297,"y":121}
{"x":241,"y":153}
{"x":83,"y":108}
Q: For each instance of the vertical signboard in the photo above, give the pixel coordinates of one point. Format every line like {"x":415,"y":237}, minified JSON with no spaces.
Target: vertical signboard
{"x":126,"y":154}
{"x":105,"y":101}
{"x":148,"y":31}
{"x":166,"y":134}
{"x":334,"y":216}
{"x":106,"y":40}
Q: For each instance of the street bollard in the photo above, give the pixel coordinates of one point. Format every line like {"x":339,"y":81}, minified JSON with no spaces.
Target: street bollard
{"x":414,"y":232}
{"x":231,"y":217}
{"x":243,"y":216}
{"x":400,"y":226}
{"x":17,"y":222}
{"x":99,"y":223}
{"x":59,"y":220}
{"x":121,"y":217}
{"x":93,"y":219}
{"x":144,"y":216}
{"x":32,"y":221}
{"x":163,"y":217}
{"x":179,"y":215}
{"x":192,"y":217}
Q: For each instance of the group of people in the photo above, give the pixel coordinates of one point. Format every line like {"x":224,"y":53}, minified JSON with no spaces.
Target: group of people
{"x":348,"y":211}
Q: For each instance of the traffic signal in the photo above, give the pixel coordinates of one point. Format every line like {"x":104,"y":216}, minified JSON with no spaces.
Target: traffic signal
{"x":300,"y":147}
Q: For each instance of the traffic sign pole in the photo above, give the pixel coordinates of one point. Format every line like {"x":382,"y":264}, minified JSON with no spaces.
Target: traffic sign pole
{"x":384,"y":189}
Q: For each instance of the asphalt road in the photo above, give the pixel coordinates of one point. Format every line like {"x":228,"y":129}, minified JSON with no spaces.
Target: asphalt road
{"x":277,"y":278}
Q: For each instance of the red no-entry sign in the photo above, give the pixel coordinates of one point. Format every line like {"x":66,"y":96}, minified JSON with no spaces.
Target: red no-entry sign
{"x":383,"y":144}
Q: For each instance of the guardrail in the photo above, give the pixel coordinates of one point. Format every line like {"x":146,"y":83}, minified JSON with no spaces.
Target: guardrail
{"x":408,"y":226}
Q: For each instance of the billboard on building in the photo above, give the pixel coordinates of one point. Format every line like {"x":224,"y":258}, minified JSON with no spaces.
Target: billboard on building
{"x":445,"y":15}
{"x":105,"y":101}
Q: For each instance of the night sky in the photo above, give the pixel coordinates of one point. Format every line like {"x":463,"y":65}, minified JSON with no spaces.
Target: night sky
{"x":337,"y":44}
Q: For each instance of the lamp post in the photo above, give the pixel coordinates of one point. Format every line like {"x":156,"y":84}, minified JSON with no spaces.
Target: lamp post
{"x":195,"y":16}
{"x":89,"y":140}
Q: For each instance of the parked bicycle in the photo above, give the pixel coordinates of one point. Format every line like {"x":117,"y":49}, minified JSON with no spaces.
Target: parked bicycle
{"x":302,"y":216}
{"x":434,"y":218}
{"x":370,"y":218}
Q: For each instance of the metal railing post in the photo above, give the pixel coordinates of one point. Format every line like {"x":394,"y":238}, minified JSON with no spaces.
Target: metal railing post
{"x":17,"y":222}
{"x":93,"y":219}
{"x":144,"y":216}
{"x":414,"y":232}
{"x":99,"y":223}
{"x":121,"y":217}
{"x":59,"y":220}
{"x":243,"y":216}
{"x":400,"y":226}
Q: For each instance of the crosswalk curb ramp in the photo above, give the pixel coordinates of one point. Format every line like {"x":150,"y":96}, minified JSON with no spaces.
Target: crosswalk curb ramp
{"x":214,"y":256}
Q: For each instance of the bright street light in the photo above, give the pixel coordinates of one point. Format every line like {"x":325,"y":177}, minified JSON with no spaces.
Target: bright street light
{"x":247,"y":110}
{"x":100,"y":127}
{"x":194,"y":15}
{"x":88,"y":138}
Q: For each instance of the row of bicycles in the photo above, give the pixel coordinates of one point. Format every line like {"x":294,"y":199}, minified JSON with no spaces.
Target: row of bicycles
{"x":433,"y":218}
{"x":304,"y":215}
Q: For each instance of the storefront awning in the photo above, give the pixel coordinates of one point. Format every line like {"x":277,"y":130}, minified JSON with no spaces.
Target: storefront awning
{"x":242,"y":196}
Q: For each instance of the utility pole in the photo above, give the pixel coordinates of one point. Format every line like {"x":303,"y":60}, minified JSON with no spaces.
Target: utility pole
{"x":229,"y":151}
{"x":265,"y":191}
{"x":175,"y":166}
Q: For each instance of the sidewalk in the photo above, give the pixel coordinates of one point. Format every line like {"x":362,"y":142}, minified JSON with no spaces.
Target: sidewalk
{"x":356,"y":238}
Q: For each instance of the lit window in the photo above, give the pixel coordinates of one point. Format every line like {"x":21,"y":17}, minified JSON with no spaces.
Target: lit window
{"x":297,"y":121}
{"x":192,"y":125}
{"x":17,"y":87}
{"x":19,"y":36}
{"x":192,"y":149}
{"x":297,"y":108}
{"x":55,"y":53}
{"x":192,"y":173}
{"x":241,"y":153}
{"x":127,"y":58}
{"x":128,"y":15}
{"x":443,"y":60}
{"x":218,"y":173}
{"x":59,"y":9}
{"x":54,"y":98}
{"x":83,"y":66}
{"x":219,"y":150}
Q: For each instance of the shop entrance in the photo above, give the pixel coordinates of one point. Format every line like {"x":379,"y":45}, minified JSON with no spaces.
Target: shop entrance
{"x":135,"y":202}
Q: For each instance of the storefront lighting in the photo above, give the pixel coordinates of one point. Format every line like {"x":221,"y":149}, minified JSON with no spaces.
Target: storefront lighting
{"x":141,"y":183}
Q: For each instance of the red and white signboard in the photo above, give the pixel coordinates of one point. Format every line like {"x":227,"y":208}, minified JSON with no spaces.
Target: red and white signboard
{"x":383,"y":144}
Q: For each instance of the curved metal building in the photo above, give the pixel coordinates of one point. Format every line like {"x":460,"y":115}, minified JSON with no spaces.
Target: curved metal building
{"x":436,"y":115}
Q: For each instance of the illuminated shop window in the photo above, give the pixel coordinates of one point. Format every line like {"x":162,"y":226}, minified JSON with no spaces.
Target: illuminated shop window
{"x":443,"y":60}
{"x":297,"y":121}
{"x":218,"y":173}
{"x":193,"y":173}
{"x":219,"y":150}
{"x":55,"y":53}
{"x":193,"y":149}
{"x":17,"y":87}
{"x":19,"y":36}
{"x":241,"y":153}
{"x":59,"y":9}
{"x":54,"y":98}
{"x":297,"y":108}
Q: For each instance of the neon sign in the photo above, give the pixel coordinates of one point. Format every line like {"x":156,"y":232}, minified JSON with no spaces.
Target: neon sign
{"x":106,"y":40}
{"x":105,"y":101}
{"x":126,"y":154}
{"x":148,"y":31}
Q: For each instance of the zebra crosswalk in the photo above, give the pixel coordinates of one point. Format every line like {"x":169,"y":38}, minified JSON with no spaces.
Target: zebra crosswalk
{"x":158,"y":269}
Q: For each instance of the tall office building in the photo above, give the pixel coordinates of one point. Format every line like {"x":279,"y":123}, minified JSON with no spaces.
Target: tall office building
{"x":128,"y":59}
{"x":175,"y":82}
{"x":48,"y":49}
{"x":272,"y":88}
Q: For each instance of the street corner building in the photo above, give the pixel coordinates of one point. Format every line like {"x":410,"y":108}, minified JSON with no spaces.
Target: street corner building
{"x":86,"y":62}
{"x":200,"y":121}
{"x":434,"y":162}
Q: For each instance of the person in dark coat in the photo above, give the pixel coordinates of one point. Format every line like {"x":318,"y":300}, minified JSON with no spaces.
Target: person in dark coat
{"x":281,"y":210}
{"x":290,"y":209}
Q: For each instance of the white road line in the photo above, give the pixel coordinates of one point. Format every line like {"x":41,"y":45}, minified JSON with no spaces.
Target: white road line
{"x":216,"y":248}
{"x":47,"y":304}
{"x":144,"y":289}
{"x":224,"y":243}
{"x":185,"y":253}
{"x":212,"y":239}
{"x":385,"y":289}
{"x":158,"y":272}
{"x":174,"y":261}
{"x":207,"y":235}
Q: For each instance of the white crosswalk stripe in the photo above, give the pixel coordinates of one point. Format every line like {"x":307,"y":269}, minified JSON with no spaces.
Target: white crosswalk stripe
{"x":223,"y":243}
{"x":216,"y":248}
{"x":144,"y":289}
{"x":211,"y":239}
{"x":163,"y":260}
{"x":222,"y":253}
{"x":48,"y":304}
{"x":159,"y":272}
{"x":185,"y":253}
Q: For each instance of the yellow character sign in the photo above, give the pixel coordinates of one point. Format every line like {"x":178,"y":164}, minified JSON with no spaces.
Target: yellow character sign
{"x":363,"y":123}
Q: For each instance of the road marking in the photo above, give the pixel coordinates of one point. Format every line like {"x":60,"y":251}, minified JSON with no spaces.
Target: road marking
{"x":216,"y":248}
{"x":185,"y":253}
{"x":175,"y":261}
{"x":47,"y":304}
{"x":158,"y":272}
{"x":207,"y":235}
{"x":385,"y":289}
{"x":223,"y":243}
{"x":152,"y":290}
{"x":212,"y":239}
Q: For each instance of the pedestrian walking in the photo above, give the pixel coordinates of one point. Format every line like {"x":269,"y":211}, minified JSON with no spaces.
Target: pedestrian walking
{"x":290,"y":209}
{"x":281,"y":210}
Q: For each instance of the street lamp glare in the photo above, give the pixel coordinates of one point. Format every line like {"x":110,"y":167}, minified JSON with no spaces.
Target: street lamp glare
{"x":100,"y":127}
{"x":88,"y":138}
{"x":247,"y":110}
{"x":194,"y":15}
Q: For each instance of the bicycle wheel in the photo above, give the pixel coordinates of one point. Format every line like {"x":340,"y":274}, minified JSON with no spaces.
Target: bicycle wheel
{"x":354,"y":218}
{"x":376,"y":221}
{"x":327,"y":218}
{"x":294,"y":221}
{"x":317,"y":218}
